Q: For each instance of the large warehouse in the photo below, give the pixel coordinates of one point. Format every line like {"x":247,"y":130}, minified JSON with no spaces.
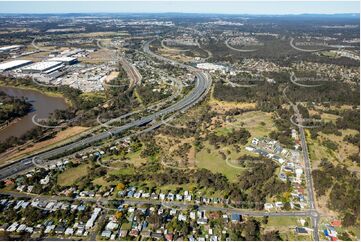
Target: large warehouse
{"x":10,"y":65}
{"x":10,"y":48}
{"x":43,"y":67}
{"x":64,"y":59}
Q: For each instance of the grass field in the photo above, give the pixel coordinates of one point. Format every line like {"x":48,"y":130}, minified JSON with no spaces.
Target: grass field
{"x":122,"y":171}
{"x":69,"y":176}
{"x":214,"y":162}
{"x":286,"y":225}
{"x":318,"y":151}
{"x":100,"y":181}
{"x":329,"y":117}
{"x":284,"y":221}
{"x":256,"y":122}
{"x":131,"y":158}
{"x":222,"y":106}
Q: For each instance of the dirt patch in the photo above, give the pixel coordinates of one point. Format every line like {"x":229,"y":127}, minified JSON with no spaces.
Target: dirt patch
{"x":170,"y":145}
{"x":111,"y":76}
{"x":322,"y":205}
{"x":98,"y":57}
{"x":67,"y":133}
{"x":222,"y":107}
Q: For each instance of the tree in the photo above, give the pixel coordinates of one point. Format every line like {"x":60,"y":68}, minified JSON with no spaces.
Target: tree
{"x":265,"y":220}
{"x":271,"y":236}
{"x":120,"y":186}
{"x":118,"y":215}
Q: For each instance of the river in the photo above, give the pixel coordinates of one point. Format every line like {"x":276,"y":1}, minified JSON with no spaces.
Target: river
{"x":42,"y":104}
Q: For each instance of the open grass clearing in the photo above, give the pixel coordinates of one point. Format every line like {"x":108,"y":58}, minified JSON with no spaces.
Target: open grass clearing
{"x":319,"y":152}
{"x":215,"y":163}
{"x":258,"y":123}
{"x":101,"y":182}
{"x":69,"y":176}
{"x":328,"y":117}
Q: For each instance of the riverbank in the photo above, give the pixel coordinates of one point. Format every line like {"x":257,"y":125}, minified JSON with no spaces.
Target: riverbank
{"x":43,"y":106}
{"x":16,"y":153}
{"x":4,"y":126}
{"x":39,"y":89}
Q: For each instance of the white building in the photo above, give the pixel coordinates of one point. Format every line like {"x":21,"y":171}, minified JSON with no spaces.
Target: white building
{"x":10,"y":65}
{"x":90,"y":223}
{"x":45,"y":180}
{"x":268,"y":206}
{"x":43,"y":67}
{"x":64,"y":59}
{"x":10,"y":48}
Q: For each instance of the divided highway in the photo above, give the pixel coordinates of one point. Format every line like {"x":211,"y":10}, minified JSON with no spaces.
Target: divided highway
{"x":201,"y":87}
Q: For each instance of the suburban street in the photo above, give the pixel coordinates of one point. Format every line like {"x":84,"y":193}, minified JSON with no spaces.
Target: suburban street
{"x":308,"y":172}
{"x":182,"y":205}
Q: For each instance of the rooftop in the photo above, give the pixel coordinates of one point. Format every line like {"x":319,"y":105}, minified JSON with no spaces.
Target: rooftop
{"x":12,"y":64}
{"x":41,"y":66}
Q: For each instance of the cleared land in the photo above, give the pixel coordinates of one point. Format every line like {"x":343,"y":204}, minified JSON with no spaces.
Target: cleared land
{"x":286,"y":227}
{"x":62,"y":135}
{"x":98,"y":57}
{"x":69,"y":176}
{"x":319,"y":151}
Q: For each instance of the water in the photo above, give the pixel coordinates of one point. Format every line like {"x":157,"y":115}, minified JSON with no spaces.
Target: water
{"x":43,"y":106}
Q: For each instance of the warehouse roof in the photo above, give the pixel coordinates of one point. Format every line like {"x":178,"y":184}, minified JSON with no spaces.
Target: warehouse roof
{"x":42,"y":66}
{"x":10,"y":47}
{"x":63,"y":59}
{"x":13,"y":64}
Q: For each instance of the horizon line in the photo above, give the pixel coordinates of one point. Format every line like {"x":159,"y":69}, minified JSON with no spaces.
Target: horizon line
{"x":195,"y":13}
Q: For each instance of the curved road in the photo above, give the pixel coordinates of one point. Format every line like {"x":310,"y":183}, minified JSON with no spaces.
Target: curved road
{"x":201,"y":87}
{"x":236,"y":49}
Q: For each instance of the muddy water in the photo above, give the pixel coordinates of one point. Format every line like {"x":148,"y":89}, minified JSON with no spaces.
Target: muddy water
{"x":43,"y":106}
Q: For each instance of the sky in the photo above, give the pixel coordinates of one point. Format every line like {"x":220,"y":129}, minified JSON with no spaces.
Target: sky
{"x":203,"y":6}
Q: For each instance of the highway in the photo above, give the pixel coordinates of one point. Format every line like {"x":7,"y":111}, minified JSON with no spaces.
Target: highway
{"x":202,"y":86}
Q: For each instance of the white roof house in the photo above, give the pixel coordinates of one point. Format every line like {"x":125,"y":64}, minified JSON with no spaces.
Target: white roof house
{"x":268,"y":206}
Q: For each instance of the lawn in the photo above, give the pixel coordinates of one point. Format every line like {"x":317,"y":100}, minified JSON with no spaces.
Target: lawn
{"x":258,"y":123}
{"x":284,"y":221}
{"x":252,"y":121}
{"x":132,"y":158}
{"x":69,"y":176}
{"x":327,"y":117}
{"x":100,"y":181}
{"x":214,"y":162}
{"x":285,"y":225}
{"x":174,"y":187}
{"x":122,"y":171}
{"x":135,"y":159}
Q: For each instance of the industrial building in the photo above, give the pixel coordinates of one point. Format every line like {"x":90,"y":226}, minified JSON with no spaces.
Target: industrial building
{"x":10,"y":65}
{"x":10,"y":48}
{"x":64,"y":59}
{"x":43,"y":67}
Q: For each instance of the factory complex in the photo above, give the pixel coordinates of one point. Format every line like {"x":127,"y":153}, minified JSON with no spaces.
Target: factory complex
{"x":56,"y":68}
